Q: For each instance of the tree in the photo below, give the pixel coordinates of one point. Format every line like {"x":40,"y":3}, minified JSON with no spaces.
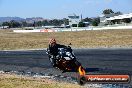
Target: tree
{"x":81,"y":24}
{"x":119,"y":13}
{"x":45,"y":22}
{"x":24,"y":24}
{"x":39,"y":23}
{"x":87,"y":20}
{"x":65,"y":21}
{"x":34,"y":24}
{"x":74,"y":25}
{"x":5,"y":24}
{"x":95,"y":21}
{"x":14,"y":24}
{"x":108,"y":11}
{"x":57,"y":22}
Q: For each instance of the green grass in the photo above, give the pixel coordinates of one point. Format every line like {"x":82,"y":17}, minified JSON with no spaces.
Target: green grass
{"x":88,"y":39}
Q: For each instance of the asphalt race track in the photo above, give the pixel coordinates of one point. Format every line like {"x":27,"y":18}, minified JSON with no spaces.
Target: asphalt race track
{"x":95,"y":61}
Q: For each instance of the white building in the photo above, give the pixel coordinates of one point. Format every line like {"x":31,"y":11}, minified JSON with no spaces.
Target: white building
{"x":120,"y":17}
{"x":106,"y":16}
{"x":74,"y":20}
{"x":125,"y":18}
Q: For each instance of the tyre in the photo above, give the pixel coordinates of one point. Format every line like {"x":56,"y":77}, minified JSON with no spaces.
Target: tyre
{"x":82,"y":80}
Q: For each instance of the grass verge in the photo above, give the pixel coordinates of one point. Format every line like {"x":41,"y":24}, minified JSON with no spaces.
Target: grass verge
{"x":14,"y":81}
{"x":88,"y":39}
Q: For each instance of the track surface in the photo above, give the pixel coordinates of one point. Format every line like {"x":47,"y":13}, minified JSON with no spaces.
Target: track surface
{"x":96,"y":61}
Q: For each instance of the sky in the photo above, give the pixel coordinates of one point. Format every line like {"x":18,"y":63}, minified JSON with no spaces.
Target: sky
{"x":57,"y":9}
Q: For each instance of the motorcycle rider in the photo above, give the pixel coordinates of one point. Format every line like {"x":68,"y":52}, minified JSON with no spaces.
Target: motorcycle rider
{"x":53,"y":50}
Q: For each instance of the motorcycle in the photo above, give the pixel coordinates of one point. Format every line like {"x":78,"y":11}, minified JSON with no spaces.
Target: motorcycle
{"x":66,"y":60}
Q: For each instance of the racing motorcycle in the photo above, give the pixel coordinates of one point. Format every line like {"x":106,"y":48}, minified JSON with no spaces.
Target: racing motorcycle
{"x":66,"y":60}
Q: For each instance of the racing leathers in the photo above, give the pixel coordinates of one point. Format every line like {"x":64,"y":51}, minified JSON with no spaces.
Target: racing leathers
{"x":53,"y":52}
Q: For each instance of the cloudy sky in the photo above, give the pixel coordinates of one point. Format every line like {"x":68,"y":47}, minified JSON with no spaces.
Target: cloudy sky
{"x":61,"y":8}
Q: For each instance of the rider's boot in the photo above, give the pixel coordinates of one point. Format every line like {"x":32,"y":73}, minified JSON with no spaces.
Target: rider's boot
{"x":54,"y":63}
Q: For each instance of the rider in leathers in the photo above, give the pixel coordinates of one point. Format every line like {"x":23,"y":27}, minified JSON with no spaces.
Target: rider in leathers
{"x":53,"y":50}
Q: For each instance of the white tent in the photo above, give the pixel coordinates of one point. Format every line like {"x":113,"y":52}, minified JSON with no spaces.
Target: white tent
{"x":126,"y":16}
{"x":111,"y":18}
{"x":120,"y":17}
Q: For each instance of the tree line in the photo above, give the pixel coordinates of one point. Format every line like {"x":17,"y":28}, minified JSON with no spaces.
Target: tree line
{"x":54,"y":22}
{"x":57,"y":22}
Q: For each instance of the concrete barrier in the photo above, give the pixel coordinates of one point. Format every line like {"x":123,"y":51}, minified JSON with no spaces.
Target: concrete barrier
{"x":72,"y":29}
{"x":118,"y":27}
{"x":36,"y":30}
{"x":25,"y":31}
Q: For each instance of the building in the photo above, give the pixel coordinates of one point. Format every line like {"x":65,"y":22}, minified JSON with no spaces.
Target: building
{"x":74,"y":20}
{"x":112,"y":19}
{"x":106,"y":16}
{"x":120,"y":19}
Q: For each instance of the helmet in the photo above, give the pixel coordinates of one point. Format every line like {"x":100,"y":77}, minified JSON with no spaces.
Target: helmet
{"x":52,"y":41}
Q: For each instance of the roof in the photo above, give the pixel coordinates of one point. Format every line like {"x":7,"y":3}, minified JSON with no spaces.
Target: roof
{"x":120,"y":16}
